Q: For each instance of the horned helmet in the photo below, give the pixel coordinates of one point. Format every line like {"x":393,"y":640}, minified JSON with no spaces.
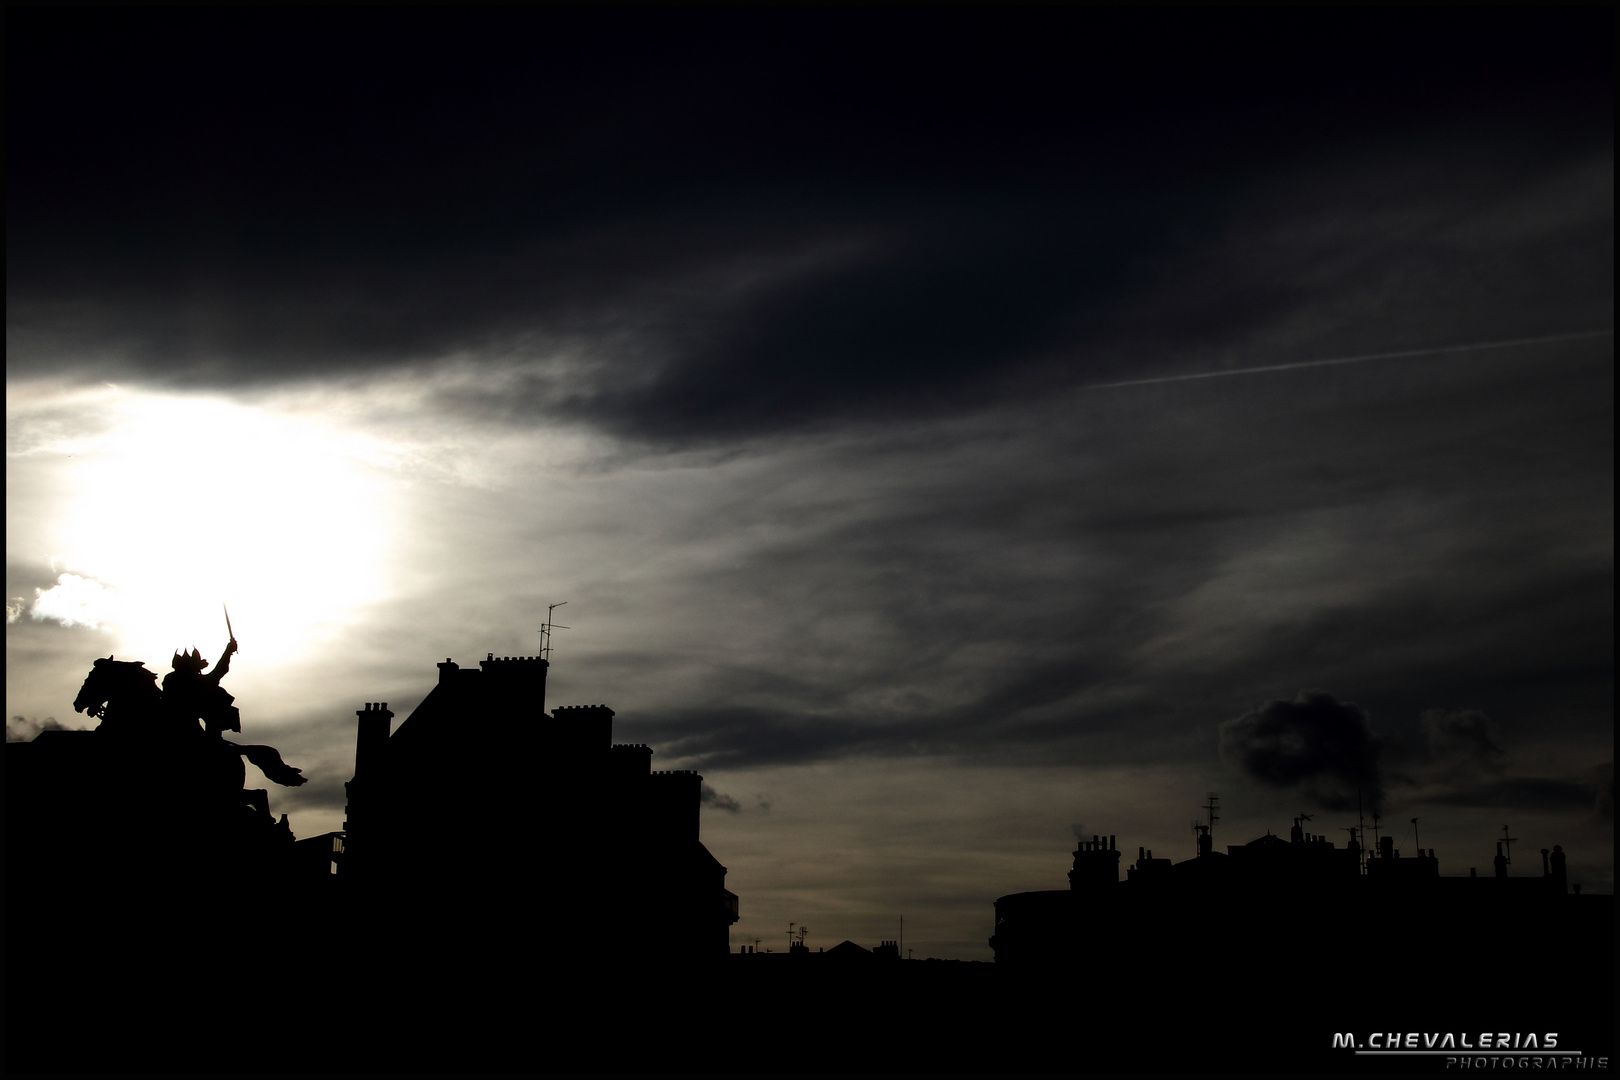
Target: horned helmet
{"x":189,"y":661}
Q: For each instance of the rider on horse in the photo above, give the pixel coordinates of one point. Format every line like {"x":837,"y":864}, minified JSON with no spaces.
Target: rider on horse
{"x":188,"y":694}
{"x":125,"y":697}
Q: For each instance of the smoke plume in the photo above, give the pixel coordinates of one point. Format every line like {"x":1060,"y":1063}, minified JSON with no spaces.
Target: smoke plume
{"x":1316,"y":743}
{"x":714,"y":800}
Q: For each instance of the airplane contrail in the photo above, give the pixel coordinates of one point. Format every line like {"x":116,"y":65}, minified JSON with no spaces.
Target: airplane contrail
{"x":1473,"y":347}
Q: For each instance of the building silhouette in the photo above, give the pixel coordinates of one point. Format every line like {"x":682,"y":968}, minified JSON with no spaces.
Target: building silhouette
{"x":1219,"y":905}
{"x":507,"y":874}
{"x":483,"y":822}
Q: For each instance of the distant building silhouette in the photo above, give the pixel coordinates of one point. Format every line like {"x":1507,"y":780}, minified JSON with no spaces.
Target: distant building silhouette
{"x":506,"y":874}
{"x":1383,"y":894}
{"x":528,"y":830}
{"x":845,"y":951}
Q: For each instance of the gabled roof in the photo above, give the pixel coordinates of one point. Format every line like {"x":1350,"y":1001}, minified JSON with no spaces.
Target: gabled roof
{"x":440,"y":701}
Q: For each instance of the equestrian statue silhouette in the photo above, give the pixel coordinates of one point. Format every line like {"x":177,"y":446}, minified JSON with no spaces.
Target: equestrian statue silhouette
{"x":158,"y":728}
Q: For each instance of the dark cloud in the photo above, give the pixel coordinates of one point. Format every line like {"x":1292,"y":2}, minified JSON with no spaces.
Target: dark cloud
{"x":1026,"y":716}
{"x":1603,"y":809}
{"x":928,"y":326}
{"x":716,"y":800}
{"x":1231,"y":542}
{"x":1315,"y":743}
{"x":1531,"y":793}
{"x":761,"y":223}
{"x":709,"y":325}
{"x":1328,"y":750}
{"x":1460,"y":741}
{"x":742,"y":736}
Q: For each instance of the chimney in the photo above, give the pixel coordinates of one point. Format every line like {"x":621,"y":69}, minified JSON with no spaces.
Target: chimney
{"x":579,"y":733}
{"x":1096,"y":865}
{"x":371,"y":742}
{"x":515,"y":686}
{"x":1560,"y":873}
{"x":1500,"y":861}
{"x":674,"y":798}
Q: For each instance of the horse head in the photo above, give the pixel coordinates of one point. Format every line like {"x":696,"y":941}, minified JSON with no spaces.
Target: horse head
{"x":93,"y":694}
{"x":114,"y":680}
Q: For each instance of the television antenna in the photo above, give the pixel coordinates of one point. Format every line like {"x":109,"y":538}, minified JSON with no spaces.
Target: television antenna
{"x":1507,"y":842}
{"x":1361,"y":832}
{"x":547,"y":627}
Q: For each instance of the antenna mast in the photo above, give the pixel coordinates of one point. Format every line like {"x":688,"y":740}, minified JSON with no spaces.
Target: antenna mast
{"x":1507,"y":842}
{"x":1361,"y":833}
{"x":1210,"y":807}
{"x":547,"y":627}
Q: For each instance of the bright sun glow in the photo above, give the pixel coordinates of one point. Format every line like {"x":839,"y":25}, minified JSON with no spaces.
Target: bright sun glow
{"x":182,"y":505}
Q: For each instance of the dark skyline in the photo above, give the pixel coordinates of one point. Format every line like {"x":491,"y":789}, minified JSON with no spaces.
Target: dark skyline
{"x":788,"y":348}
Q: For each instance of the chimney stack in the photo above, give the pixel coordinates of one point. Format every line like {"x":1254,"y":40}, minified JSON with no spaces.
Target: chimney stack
{"x":371,"y":742}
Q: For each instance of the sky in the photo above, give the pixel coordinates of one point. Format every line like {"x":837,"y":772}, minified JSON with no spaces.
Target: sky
{"x":953,"y":432}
